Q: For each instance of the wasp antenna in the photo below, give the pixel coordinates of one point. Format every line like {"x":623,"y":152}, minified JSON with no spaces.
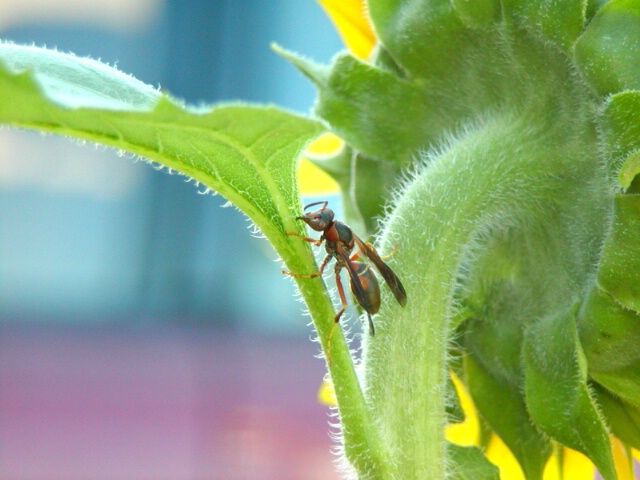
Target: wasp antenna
{"x":324,"y":204}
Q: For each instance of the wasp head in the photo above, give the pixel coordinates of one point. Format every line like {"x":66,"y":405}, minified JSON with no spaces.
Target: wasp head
{"x":319,"y":220}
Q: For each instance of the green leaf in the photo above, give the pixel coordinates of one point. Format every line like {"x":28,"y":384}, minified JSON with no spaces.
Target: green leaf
{"x":623,"y":382}
{"x":556,"y":391}
{"x":593,"y":6}
{"x":623,"y":418}
{"x":610,"y":337}
{"x":621,"y":125}
{"x":493,"y":330}
{"x":559,"y":22}
{"x":609,"y":333}
{"x":468,"y":463}
{"x":477,"y":13}
{"x":443,"y":74}
{"x":628,"y":174}
{"x":360,"y":102}
{"x":248,"y":154}
{"x":503,"y":407}
{"x":619,"y":273}
{"x":425,"y":37}
{"x":608,"y":52}
{"x":71,"y":82}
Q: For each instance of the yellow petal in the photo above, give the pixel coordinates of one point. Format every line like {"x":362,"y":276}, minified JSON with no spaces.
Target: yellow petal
{"x":466,"y":433}
{"x":313,"y":180}
{"x":622,"y":459}
{"x":326,"y":394}
{"x":575,"y":466}
{"x":351,"y":21}
{"x":499,"y":454}
{"x":553,"y":468}
{"x":326,"y":145}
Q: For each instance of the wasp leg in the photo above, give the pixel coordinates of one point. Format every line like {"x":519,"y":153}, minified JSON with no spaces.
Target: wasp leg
{"x":388,"y":255}
{"x":313,"y":275}
{"x":315,"y":242}
{"x":371,"y":248}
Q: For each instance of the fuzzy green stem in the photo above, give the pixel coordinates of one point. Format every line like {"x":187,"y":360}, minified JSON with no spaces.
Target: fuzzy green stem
{"x":362,"y":446}
{"x":502,"y":173}
{"x":361,"y":440}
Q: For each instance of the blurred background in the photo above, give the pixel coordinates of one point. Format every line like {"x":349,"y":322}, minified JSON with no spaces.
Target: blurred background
{"x":144,"y":333}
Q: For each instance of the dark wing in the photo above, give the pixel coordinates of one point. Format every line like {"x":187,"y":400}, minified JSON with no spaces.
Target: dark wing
{"x":392,"y":280}
{"x":358,"y":290}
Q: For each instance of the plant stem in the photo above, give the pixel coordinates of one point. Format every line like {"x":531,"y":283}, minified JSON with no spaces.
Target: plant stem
{"x":361,"y":441}
{"x":500,"y":174}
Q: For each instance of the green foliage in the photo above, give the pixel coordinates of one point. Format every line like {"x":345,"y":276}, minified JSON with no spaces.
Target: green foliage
{"x":556,"y":391}
{"x":248,"y":154}
{"x":623,"y":419}
{"x":607,"y":51}
{"x":519,"y":105}
{"x":468,"y":463}
{"x":504,"y":409}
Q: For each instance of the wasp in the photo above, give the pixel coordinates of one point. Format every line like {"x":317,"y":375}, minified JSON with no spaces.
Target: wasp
{"x":340,"y":242}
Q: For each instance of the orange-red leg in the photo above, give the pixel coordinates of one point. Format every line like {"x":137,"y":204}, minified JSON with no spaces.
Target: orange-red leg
{"x":313,"y":275}
{"x":317,"y":242}
{"x":371,"y":248}
{"x":389,"y":255}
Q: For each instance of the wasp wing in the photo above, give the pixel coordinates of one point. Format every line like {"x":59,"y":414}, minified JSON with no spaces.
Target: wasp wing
{"x":356,"y":286}
{"x":358,"y":289}
{"x":391,"y":278}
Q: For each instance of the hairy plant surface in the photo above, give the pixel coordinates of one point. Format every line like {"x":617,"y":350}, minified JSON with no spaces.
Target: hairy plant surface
{"x":498,"y":140}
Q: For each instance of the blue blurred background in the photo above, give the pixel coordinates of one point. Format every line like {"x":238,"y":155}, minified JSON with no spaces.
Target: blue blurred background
{"x":144,"y":333}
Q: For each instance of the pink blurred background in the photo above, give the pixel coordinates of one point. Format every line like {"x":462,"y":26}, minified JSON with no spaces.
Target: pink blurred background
{"x":165,"y":405}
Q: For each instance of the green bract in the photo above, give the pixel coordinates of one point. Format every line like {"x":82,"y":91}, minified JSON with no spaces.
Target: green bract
{"x":501,"y":142}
